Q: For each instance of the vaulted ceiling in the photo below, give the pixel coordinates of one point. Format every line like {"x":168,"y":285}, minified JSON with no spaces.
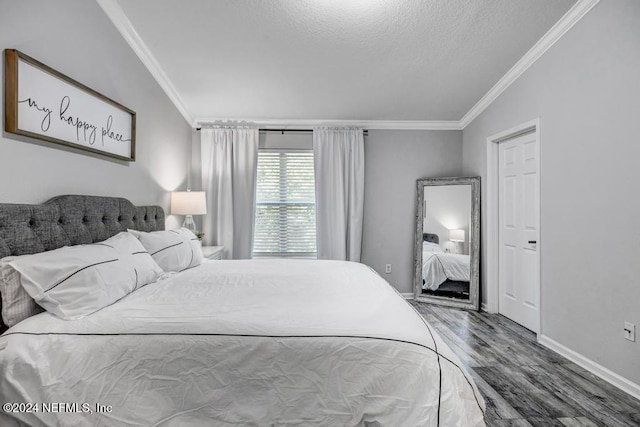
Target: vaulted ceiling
{"x":305,"y":60}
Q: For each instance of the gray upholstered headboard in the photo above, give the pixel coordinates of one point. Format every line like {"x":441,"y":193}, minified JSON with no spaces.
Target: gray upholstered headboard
{"x":70,"y":220}
{"x":429,"y":237}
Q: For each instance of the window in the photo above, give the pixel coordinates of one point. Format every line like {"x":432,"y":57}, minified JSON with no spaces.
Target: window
{"x":285,"y":205}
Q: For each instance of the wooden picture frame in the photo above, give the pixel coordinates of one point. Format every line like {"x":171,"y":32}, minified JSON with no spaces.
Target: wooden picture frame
{"x":44,"y":104}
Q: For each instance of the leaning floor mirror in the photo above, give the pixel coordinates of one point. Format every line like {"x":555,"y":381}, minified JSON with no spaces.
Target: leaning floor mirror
{"x":447,"y":244}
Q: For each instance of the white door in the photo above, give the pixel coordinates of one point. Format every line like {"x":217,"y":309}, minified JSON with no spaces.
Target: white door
{"x":518,"y":266}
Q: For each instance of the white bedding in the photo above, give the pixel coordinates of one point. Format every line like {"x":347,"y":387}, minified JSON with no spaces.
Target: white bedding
{"x":440,"y":266}
{"x":262,"y":342}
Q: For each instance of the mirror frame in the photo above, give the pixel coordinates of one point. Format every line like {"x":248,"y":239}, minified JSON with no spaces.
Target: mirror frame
{"x":474,"y":243}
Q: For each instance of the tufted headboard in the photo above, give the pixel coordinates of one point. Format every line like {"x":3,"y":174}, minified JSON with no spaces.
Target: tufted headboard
{"x":70,"y":220}
{"x":429,"y":237}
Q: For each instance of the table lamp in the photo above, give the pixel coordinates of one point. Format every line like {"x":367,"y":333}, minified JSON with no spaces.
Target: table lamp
{"x":456,"y":236}
{"x":188,"y":203}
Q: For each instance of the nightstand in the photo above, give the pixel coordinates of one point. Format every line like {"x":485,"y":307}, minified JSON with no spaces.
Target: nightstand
{"x":212,"y":252}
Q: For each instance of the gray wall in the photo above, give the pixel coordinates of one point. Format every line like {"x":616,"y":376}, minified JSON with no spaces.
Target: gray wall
{"x":77,"y":39}
{"x":290,"y":140}
{"x":586,"y":92}
{"x":394,"y":160}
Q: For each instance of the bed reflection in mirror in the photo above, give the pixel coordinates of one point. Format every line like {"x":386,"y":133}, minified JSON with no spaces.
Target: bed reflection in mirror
{"x":447,"y":241}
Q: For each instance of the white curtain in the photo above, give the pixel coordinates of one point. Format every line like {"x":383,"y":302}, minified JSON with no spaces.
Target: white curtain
{"x":339,"y":171}
{"x":229,"y":167}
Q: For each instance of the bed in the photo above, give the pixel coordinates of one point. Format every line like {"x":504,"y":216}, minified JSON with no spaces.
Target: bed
{"x":251,"y":342}
{"x":443,"y":271}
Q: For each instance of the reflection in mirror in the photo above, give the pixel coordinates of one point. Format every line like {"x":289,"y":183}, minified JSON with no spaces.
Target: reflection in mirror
{"x":447,"y":242}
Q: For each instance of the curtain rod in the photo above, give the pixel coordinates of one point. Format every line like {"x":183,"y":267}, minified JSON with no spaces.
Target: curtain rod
{"x":365,"y":131}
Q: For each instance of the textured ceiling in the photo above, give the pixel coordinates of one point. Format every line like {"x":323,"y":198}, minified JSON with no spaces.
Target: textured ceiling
{"x":338,"y":59}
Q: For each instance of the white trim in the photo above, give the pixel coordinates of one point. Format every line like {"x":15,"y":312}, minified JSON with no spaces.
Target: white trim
{"x":407,"y":295}
{"x":491,"y":230}
{"x":483,"y":307}
{"x":609,"y":376}
{"x":119,"y":19}
{"x":492,"y":208}
{"x":366,"y":124}
{"x":571,"y":18}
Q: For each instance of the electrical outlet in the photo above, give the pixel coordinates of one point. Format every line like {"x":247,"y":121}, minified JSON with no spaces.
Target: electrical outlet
{"x":387,"y":268}
{"x":629,"y":331}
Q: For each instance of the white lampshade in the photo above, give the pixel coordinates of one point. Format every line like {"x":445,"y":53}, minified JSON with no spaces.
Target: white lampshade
{"x":456,"y":235}
{"x":188,"y":203}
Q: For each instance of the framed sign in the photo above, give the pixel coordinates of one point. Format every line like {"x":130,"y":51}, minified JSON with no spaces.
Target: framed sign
{"x":45,"y":104}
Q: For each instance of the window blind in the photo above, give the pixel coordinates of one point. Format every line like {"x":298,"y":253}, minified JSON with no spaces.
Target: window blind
{"x":285,"y":224}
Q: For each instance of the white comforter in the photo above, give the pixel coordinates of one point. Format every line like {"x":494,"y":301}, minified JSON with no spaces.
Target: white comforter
{"x":237,"y":343}
{"x":440,"y":266}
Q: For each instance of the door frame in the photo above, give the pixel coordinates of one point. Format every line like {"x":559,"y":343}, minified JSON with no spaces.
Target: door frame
{"x":493,"y":210}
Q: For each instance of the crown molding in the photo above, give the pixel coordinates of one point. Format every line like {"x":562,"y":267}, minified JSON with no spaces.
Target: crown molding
{"x":119,"y":19}
{"x":366,"y":124}
{"x":115,"y":13}
{"x":571,"y":18}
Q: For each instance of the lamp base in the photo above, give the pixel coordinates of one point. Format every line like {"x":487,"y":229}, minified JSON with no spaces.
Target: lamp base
{"x":189,"y":224}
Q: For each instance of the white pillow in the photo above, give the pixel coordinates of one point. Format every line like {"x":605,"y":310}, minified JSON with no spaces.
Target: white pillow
{"x":431,"y":247}
{"x":17,"y":305}
{"x":173,"y":250}
{"x":131,"y":250}
{"x":75,"y":281}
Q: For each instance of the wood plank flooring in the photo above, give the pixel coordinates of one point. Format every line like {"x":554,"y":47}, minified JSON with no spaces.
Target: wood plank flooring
{"x":523,"y":383}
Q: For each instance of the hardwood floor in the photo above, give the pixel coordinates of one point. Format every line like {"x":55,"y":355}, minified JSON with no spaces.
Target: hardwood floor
{"x":523,"y":383}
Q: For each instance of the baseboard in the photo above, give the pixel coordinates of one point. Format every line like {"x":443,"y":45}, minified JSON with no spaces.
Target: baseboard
{"x":483,"y":307}
{"x":611,"y":377}
{"x":407,"y":295}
